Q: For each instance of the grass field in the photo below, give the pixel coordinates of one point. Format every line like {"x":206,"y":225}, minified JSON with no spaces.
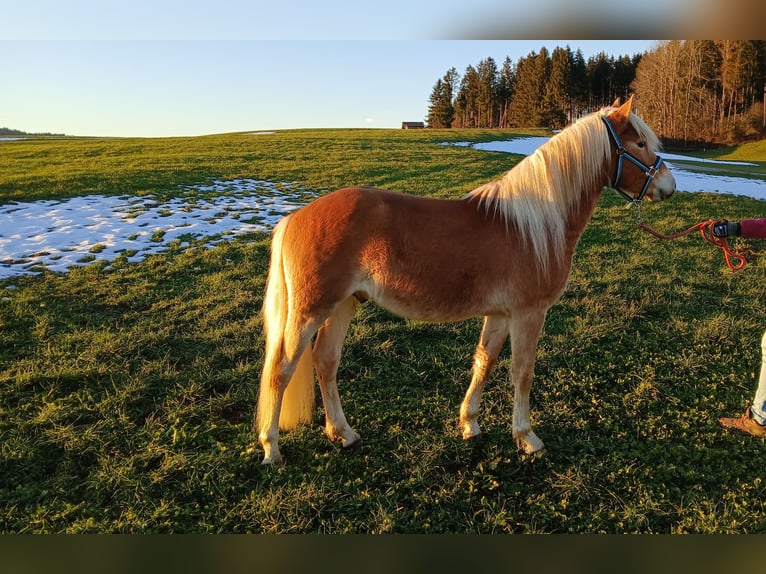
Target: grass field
{"x":127,"y":393}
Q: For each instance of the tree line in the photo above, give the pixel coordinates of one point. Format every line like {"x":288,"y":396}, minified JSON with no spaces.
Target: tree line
{"x":10,"y":132}
{"x":542,"y":89}
{"x":689,"y":91}
{"x":704,"y":91}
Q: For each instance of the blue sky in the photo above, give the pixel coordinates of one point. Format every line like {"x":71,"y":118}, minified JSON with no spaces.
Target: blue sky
{"x":191,"y":67}
{"x":165,"y":88}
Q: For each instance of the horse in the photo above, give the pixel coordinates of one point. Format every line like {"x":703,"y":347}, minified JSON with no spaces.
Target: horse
{"x":502,"y":252}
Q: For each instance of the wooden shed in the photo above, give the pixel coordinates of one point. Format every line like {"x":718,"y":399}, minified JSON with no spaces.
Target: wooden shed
{"x":413,"y":125}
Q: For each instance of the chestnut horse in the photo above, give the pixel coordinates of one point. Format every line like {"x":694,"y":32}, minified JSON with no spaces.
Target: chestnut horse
{"x":504,"y":252}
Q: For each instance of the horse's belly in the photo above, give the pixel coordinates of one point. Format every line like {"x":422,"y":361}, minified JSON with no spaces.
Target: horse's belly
{"x":431,"y":314}
{"x":432,"y":306}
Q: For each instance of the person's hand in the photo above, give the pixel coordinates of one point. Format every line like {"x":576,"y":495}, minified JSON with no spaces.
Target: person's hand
{"x":726,"y":228}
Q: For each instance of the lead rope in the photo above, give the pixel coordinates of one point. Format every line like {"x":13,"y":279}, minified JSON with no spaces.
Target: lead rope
{"x":736,"y":259}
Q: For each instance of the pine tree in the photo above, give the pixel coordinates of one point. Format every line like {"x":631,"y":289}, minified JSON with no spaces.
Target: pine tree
{"x":709,"y":90}
{"x":579,"y":86}
{"x":623,"y":74}
{"x":485,"y":96}
{"x":466,"y":108}
{"x":528,"y":101}
{"x":599,"y":70}
{"x":557,"y":96}
{"x":504,"y":91}
{"x":753,"y":60}
{"x":441,"y":111}
{"x":436,"y":117}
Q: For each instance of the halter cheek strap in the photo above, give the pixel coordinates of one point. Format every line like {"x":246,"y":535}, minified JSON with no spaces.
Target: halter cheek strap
{"x":622,"y":154}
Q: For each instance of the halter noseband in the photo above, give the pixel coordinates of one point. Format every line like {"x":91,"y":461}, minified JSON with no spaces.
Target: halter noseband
{"x":622,"y":153}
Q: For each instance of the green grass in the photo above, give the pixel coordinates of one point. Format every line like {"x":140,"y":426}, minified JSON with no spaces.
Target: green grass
{"x":318,"y":159}
{"x":126,"y":395}
{"x":754,"y":154}
{"x":755,"y":151}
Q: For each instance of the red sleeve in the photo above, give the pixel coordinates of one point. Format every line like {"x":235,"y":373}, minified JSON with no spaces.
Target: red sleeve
{"x":753,"y":228}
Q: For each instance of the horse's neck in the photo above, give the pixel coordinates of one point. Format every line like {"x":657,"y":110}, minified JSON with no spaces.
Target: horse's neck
{"x":580,"y":215}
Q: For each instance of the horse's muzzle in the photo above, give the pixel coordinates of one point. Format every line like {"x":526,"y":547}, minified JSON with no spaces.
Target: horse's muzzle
{"x":663,"y":185}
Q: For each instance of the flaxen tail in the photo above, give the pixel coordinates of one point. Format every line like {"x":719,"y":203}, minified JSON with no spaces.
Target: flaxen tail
{"x":298,"y":399}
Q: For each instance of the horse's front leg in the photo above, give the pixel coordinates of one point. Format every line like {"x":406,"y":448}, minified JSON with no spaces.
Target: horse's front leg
{"x":493,"y":335}
{"x":525,"y":334}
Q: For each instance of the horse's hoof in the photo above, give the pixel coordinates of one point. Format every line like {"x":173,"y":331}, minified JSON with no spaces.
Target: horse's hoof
{"x":272,"y":462}
{"x":534,"y":454}
{"x":353,"y":443}
{"x":471,"y":429}
{"x":530,"y":443}
{"x":474,"y":438}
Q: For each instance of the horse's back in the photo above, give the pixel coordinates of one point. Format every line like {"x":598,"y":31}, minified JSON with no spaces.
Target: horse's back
{"x":349,"y":217}
{"x":336,"y":224}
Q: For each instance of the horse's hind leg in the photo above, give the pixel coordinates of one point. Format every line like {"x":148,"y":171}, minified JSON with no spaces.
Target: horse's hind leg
{"x":493,"y":336}
{"x":327,"y":350}
{"x":280,"y":368}
{"x":525,"y":334}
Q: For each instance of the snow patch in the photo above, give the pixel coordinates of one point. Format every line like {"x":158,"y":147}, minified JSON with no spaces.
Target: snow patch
{"x":56,"y":235}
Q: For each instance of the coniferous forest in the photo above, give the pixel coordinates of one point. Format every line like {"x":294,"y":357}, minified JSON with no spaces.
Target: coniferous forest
{"x":690,"y":91}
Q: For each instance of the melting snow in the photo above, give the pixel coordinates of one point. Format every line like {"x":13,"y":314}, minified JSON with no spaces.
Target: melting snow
{"x":78,"y":231}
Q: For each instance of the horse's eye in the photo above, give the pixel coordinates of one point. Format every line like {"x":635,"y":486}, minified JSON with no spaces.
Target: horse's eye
{"x":642,"y":144}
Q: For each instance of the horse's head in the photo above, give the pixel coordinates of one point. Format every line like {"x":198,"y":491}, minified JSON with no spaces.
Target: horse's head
{"x":637,"y":171}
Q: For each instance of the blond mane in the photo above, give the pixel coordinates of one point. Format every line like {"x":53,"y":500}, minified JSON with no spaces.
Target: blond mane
{"x":537,"y":195}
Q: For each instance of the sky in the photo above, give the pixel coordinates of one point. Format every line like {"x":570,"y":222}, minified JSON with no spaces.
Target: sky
{"x":192,"y":67}
{"x":172,"y":88}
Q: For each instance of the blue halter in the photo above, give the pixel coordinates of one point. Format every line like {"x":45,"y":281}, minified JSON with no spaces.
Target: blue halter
{"x":622,"y":153}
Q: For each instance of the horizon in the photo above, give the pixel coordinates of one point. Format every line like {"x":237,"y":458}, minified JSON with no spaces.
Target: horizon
{"x":151,"y":88}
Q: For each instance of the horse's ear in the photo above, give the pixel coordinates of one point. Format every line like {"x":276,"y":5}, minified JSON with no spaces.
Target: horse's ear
{"x":616,"y":103}
{"x":623,"y":111}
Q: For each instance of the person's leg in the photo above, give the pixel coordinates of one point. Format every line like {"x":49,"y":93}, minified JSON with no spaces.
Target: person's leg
{"x":758,"y":410}
{"x":753,"y":422}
